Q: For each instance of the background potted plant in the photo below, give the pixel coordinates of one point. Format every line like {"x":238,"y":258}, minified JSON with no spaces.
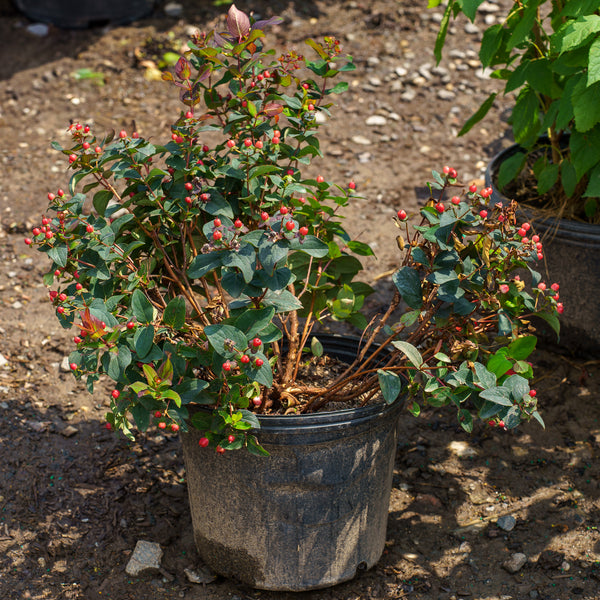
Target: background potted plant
{"x":196,"y":275}
{"x":548,"y":53}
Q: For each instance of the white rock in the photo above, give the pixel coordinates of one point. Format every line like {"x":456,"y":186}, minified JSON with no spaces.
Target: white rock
{"x":3,"y":361}
{"x":488,"y":7}
{"x":39,"y":29}
{"x":376,"y":120}
{"x":173,"y":9}
{"x":401,"y":71}
{"x":200,"y":575}
{"x":446,"y":95}
{"x":361,"y":140}
{"x":506,"y":523}
{"x":146,"y":556}
{"x":375,"y":81}
{"x":471,"y":28}
{"x":408,"y":96}
{"x":65,"y":365}
{"x":461,"y":449}
{"x":373,"y":61}
{"x":515,"y":563}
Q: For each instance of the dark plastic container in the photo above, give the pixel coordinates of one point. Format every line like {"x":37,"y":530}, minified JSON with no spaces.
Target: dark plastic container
{"x":309,"y":515}
{"x":81,"y":14}
{"x":571,"y":258}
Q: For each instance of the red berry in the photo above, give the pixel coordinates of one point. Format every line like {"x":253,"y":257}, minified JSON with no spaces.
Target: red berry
{"x":51,"y":196}
{"x":446,"y":170}
{"x":188,"y":200}
{"x":49,"y":235}
{"x":532,"y":393}
{"x":217,"y":235}
{"x":311,"y":107}
{"x":402,"y":215}
{"x":264,"y":216}
{"x":283,"y":210}
{"x":258,"y":145}
{"x":522,"y":232}
{"x":115,"y":394}
{"x":53,"y":294}
{"x":97,"y":150}
{"x":541,"y":286}
{"x":57,"y":273}
{"x":217,"y":222}
{"x":259,"y":362}
{"x":158,"y":414}
{"x":289,"y":225}
{"x":276,"y":140}
{"x":306,"y":86}
{"x":257,"y":342}
{"x":455,"y":200}
{"x":290,"y":171}
{"x":245,"y":359}
{"x":205,"y":197}
{"x":135,"y":135}
{"x":483,"y":214}
{"x":230,"y":143}
{"x":189,"y":114}
{"x":540,"y":256}
{"x":77,"y":339}
{"x":72,"y":158}
{"x":174,"y":427}
{"x":73,"y":366}
{"x":492,"y":423}
{"x":503,"y":288}
{"x":303,"y":231}
{"x":247,"y":142}
{"x":86,"y":129}
{"x":500,"y":423}
{"x":320,"y":179}
{"x":89,"y":228}
{"x":130,"y":325}
{"x":555,"y":287}
{"x":560,"y":308}
{"x":189,"y":186}
{"x":78,"y":286}
{"x":28,"y":241}
{"x":526,"y":226}
{"x":203,"y":442}
{"x":122,"y":134}
{"x":231,"y":438}
{"x":108,"y":426}
{"x":452,"y":173}
{"x":218,"y":448}
{"x":62,"y":297}
{"x":205,"y":148}
{"x":162,"y":425}
{"x":85,"y":145}
{"x":256,"y":401}
{"x":440,"y":207}
{"x":472,"y":188}
{"x":237,"y":224}
{"x":226,"y":366}
{"x":352,"y":185}
{"x":60,"y":192}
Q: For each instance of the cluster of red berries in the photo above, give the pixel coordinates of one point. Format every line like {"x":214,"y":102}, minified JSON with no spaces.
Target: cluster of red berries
{"x":244,"y":359}
{"x":161,"y":423}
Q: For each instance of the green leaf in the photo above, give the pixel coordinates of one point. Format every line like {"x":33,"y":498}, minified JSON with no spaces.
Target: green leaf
{"x":498,"y":364}
{"x":547,"y":178}
{"x":143,"y":341}
{"x":568,"y":177}
{"x":311,"y":245}
{"x":593,"y":188}
{"x":408,"y":283}
{"x":204,"y":263}
{"x":522,"y":347}
{"x":228,"y":341}
{"x":253,"y":321}
{"x":489,"y":409}
{"x":497,"y":395}
{"x":552,"y":320}
{"x":101,"y":200}
{"x":413,"y":355}
{"x":586,"y":107}
{"x":486,"y":378}
{"x":282,"y":300}
{"x":593,"y":74}
{"x":390,"y":385}
{"x":490,"y":43}
{"x":141,"y":416}
{"x":142,"y":309}
{"x":58,"y":253}
{"x":263,"y":374}
{"x":584,"y":154}
{"x":465,"y":420}
{"x":510,"y":168}
{"x":524,"y":25}
{"x":479,"y":114}
{"x":517,"y":385}
{"x":316,"y":347}
{"x":525,"y":116}
{"x":441,"y":36}
{"x":575,"y":33}
{"x":174,"y":314}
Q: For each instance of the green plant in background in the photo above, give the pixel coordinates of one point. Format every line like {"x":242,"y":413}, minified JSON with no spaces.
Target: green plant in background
{"x":548,"y":53}
{"x":197,"y":271}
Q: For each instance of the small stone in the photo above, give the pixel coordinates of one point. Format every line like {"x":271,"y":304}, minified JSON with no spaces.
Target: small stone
{"x":515,"y":563}
{"x":39,"y":29}
{"x":565,"y":566}
{"x":173,"y":9}
{"x":375,"y":81}
{"x":65,"y":365}
{"x":4,"y":404}
{"x":17,"y":305}
{"x":69,"y":431}
{"x":446,"y":95}
{"x":373,"y":61}
{"x":408,"y":96}
{"x":146,"y":556}
{"x":376,"y":120}
{"x":401,"y":72}
{"x":471,"y":28}
{"x":456,"y":53}
{"x":462,"y":449}
{"x":506,"y":523}
{"x":200,"y":575}
{"x":3,"y":361}
{"x":488,"y":7}
{"x":320,"y":117}
{"x":484,"y":73}
{"x":11,"y":274}
{"x":364,"y":157}
{"x":361,"y":140}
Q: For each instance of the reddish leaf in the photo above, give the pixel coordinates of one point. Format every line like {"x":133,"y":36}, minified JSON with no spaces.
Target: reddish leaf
{"x":272,"y":109}
{"x":238,"y":23}
{"x":91,"y":326}
{"x":182,"y":69}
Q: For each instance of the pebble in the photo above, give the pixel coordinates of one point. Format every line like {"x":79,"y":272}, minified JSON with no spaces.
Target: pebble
{"x":3,"y":361}
{"x":373,"y":61}
{"x":375,"y":81}
{"x":376,"y":120}
{"x":446,"y":95}
{"x":488,"y":7}
{"x":462,"y":449}
{"x":364,"y":157}
{"x":16,"y":305}
{"x":65,"y":365}
{"x":484,"y":73}
{"x":4,"y":404}
{"x":146,"y":556}
{"x":69,"y":431}
{"x":39,"y":29}
{"x":200,"y":575}
{"x":361,"y":140}
{"x":173,"y":9}
{"x":456,"y":53}
{"x":401,"y":72}
{"x":408,"y":96}
{"x":471,"y":28}
{"x":11,"y":274}
{"x":515,"y":563}
{"x":506,"y":523}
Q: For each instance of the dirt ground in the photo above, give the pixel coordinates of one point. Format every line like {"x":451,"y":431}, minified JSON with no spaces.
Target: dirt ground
{"x":75,"y":499}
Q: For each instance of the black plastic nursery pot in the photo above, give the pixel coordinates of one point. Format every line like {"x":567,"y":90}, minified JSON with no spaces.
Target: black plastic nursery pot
{"x":571,"y":258}
{"x":80,"y":14}
{"x":309,"y":515}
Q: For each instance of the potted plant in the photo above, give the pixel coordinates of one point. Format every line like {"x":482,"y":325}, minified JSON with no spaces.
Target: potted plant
{"x":196,"y":275}
{"x":546,"y":52}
